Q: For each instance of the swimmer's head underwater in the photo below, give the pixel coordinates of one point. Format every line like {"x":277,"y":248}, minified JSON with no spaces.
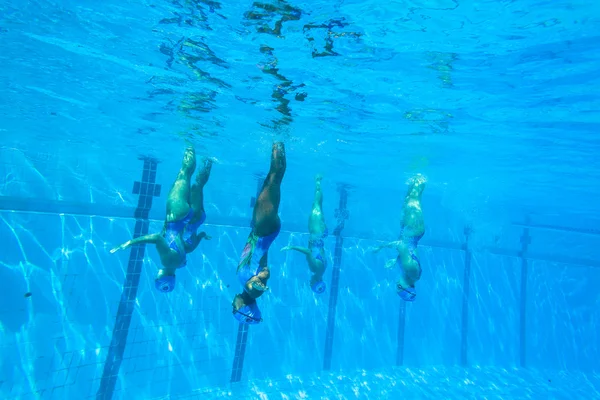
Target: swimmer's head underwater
{"x":245,"y":309}
{"x":406,"y":293}
{"x":164,"y":282}
{"x":318,"y":287}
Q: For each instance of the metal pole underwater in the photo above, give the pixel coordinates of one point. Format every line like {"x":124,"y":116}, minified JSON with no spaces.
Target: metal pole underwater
{"x":242,"y":335}
{"x":465,"y":298}
{"x":401,"y":326}
{"x":525,"y":241}
{"x":341,"y":214}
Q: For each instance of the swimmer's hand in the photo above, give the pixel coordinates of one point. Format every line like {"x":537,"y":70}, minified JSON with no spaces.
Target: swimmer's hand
{"x":389,"y":245}
{"x":302,"y":250}
{"x":375,"y":249}
{"x":259,"y":286}
{"x":204,"y":235}
{"x":121,"y":247}
{"x":151,"y":238}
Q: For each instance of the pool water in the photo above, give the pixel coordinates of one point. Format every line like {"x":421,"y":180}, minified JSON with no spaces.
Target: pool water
{"x":495,"y":103}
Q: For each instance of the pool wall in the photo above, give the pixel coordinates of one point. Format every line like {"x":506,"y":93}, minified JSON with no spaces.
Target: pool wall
{"x":78,"y":322}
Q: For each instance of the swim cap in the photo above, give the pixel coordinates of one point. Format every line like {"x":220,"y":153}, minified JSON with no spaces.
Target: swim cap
{"x":164,"y":283}
{"x":318,"y":287}
{"x":248,"y":314}
{"x":406,"y":294}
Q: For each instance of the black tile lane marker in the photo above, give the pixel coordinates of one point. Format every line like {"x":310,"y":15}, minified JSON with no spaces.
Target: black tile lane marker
{"x":401,"y":328}
{"x":525,"y":241}
{"x":240,"y":352}
{"x":341,"y":215}
{"x":147,"y":189}
{"x":401,"y":325}
{"x":242,"y":335}
{"x":465,"y":299}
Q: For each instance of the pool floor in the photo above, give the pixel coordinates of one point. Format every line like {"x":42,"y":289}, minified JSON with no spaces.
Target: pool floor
{"x":415,"y":383}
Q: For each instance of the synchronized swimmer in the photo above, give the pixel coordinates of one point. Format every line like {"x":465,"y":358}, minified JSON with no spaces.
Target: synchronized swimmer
{"x":411,"y":231}
{"x":253,"y":271}
{"x":315,"y":252}
{"x":185,"y":214}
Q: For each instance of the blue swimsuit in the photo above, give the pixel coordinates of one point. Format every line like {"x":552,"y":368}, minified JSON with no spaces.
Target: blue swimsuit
{"x":191,"y":229}
{"x":316,"y":245}
{"x":412,"y":246}
{"x":186,"y":230}
{"x":256,"y":247}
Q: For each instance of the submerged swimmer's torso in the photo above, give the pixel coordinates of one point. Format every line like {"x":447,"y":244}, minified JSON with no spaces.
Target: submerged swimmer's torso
{"x":316,"y":245}
{"x":408,"y":258}
{"x":178,"y":235}
{"x":250,"y":261}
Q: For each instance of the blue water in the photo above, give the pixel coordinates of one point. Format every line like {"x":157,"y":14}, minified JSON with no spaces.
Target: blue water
{"x":495,"y":102}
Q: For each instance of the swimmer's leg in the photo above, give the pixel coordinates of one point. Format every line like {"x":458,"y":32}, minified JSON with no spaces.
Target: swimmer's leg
{"x":413,"y":224}
{"x":196,"y":193}
{"x":265,"y":219}
{"x":416,"y":185}
{"x":178,"y":199}
{"x":316,"y":220}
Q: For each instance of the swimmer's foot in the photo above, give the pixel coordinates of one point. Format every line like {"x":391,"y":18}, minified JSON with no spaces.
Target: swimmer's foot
{"x":318,"y":180}
{"x":278,"y":162}
{"x":189,"y":160}
{"x":416,"y":185}
{"x":259,"y":286}
{"x":278,"y":154}
{"x":204,"y":173}
{"x":416,"y":180}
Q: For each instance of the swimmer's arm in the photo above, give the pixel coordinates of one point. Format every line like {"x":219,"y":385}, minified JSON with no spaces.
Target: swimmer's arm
{"x":389,"y":245}
{"x":196,"y":239}
{"x":151,"y":238}
{"x":302,"y":250}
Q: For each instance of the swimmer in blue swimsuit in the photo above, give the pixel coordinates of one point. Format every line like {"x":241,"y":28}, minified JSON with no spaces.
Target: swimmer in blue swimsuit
{"x":315,"y":253}
{"x":411,"y":231}
{"x":185,"y":214}
{"x":253,"y":271}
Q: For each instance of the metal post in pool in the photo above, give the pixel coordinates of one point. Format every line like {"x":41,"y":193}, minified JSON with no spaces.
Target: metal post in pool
{"x":341,"y":215}
{"x":240,"y":353}
{"x":525,"y":241}
{"x":147,"y":190}
{"x":242,"y":335}
{"x":465,"y":299}
{"x":401,"y":325}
